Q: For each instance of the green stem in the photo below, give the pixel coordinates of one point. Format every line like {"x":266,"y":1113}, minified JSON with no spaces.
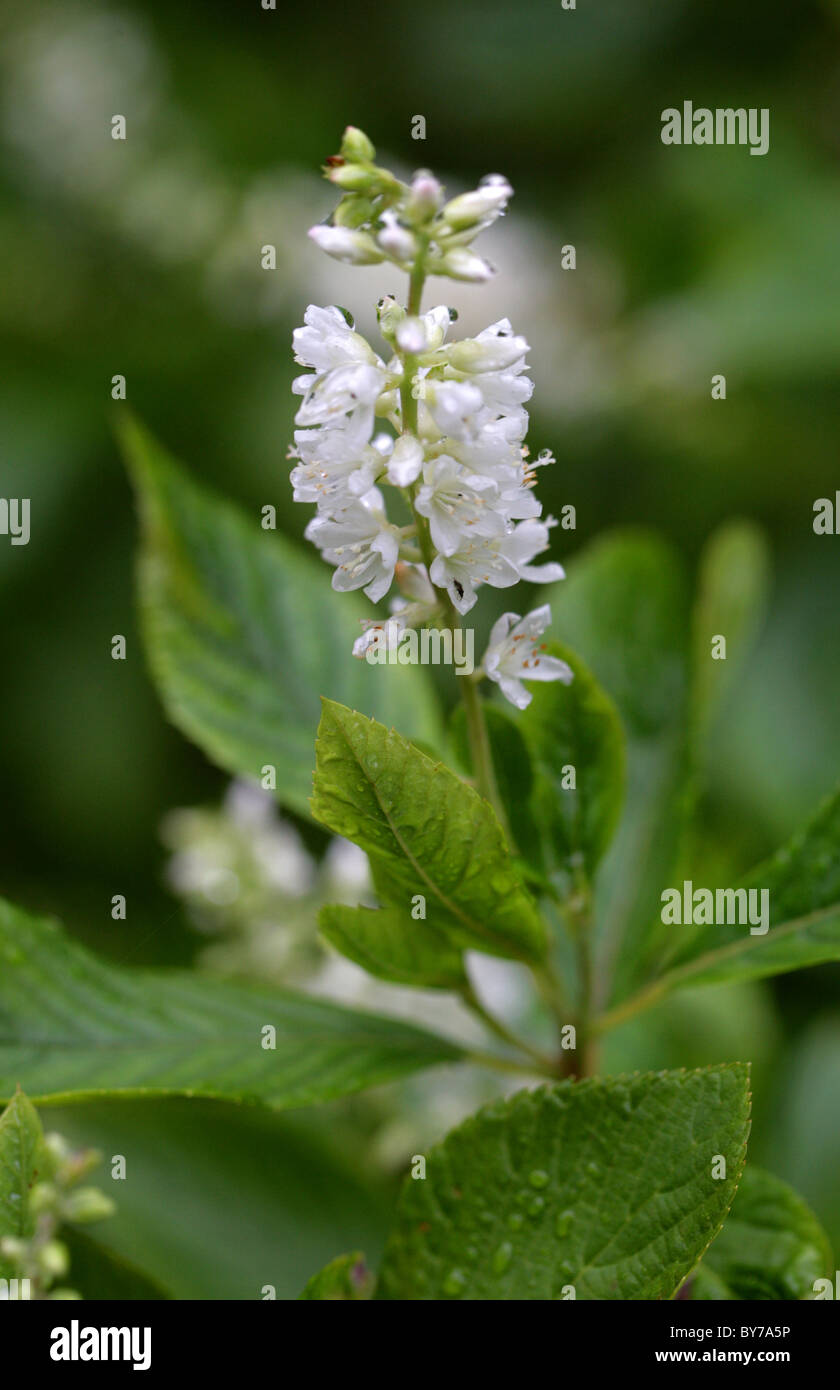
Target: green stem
{"x":579,"y":910}
{"x":482,"y":754}
{"x":489,"y":1059}
{"x":479,"y":742}
{"x":544,"y":1063}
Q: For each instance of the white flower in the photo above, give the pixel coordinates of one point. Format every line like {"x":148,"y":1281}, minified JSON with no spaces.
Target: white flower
{"x":361,"y":544}
{"x":513,"y":656}
{"x":411,"y":336}
{"x":457,"y":504}
{"x":332,"y":468}
{"x":345,"y":396}
{"x":327,"y":341}
{"x":478,"y":561}
{"x":454,"y":406}
{"x":527,"y":540}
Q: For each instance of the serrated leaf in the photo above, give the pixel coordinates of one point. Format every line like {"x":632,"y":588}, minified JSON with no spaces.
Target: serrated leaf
{"x":733,"y":582}
{"x":575,"y":726}
{"x":74,"y":1026}
{"x":427,"y":833}
{"x":771,"y":1246}
{"x":803,"y":883}
{"x":624,"y":608}
{"x":243,"y":632}
{"x":603,"y":1186}
{"x":24,"y":1159}
{"x":345,"y":1279}
{"x":390,"y":944}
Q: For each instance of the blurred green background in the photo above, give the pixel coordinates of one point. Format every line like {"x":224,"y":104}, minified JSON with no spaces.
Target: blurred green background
{"x":143,"y":258}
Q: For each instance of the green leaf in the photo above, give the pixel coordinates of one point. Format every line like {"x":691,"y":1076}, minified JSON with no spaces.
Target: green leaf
{"x":96,"y":1272}
{"x":803,"y":883}
{"x":73,"y":1026}
{"x":427,"y":833}
{"x":624,"y":607}
{"x":390,"y":944}
{"x":512,"y":761}
{"x":733,"y":582}
{"x":277,"y":1194}
{"x":243,"y":631}
{"x":575,"y":726}
{"x":24,"y":1159}
{"x":346,"y":1279}
{"x":771,"y":1246}
{"x":604,"y":1186}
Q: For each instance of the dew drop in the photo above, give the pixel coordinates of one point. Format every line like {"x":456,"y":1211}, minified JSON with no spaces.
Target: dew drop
{"x":538,"y":1178}
{"x":501,"y":1258}
{"x":515,"y":1221}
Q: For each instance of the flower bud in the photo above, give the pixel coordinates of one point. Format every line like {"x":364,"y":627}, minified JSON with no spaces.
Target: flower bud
{"x":461,"y":264}
{"x":487,"y":354}
{"x":88,"y":1204}
{"x":354,"y":210}
{"x":363,"y":178}
{"x":351,"y":247}
{"x":396,"y":240}
{"x":356,"y":147}
{"x":42,"y":1197}
{"x":411,"y":336}
{"x":57,"y":1145}
{"x":390,"y":315}
{"x":424,"y":198}
{"x":487,"y":201}
{"x":406,"y":461}
{"x":54,"y":1259}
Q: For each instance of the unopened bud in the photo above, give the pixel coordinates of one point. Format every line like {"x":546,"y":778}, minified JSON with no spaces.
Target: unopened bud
{"x":490,"y":354}
{"x":486,"y":201}
{"x":363,"y":178}
{"x":42,"y":1197}
{"x":390,"y":315}
{"x":343,"y":244}
{"x":88,"y":1204}
{"x":461,"y":264}
{"x":356,"y":147}
{"x":396,"y":240}
{"x":354,"y":210}
{"x":54,"y":1259}
{"x":424,"y":198}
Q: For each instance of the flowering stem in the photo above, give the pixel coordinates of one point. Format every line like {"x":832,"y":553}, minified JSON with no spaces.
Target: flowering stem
{"x":479,"y":742}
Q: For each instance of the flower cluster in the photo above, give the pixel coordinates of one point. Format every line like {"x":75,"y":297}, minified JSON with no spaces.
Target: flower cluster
{"x":56,"y":1198}
{"x":441,"y":422}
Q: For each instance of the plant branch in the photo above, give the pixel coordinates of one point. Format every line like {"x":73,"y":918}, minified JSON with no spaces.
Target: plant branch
{"x":543,"y":1062}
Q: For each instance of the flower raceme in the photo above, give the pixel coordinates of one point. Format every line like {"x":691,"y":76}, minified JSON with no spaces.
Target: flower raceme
{"x":439,"y":422}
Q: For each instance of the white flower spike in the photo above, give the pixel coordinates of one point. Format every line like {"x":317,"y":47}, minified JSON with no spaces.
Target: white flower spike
{"x":442,"y":422}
